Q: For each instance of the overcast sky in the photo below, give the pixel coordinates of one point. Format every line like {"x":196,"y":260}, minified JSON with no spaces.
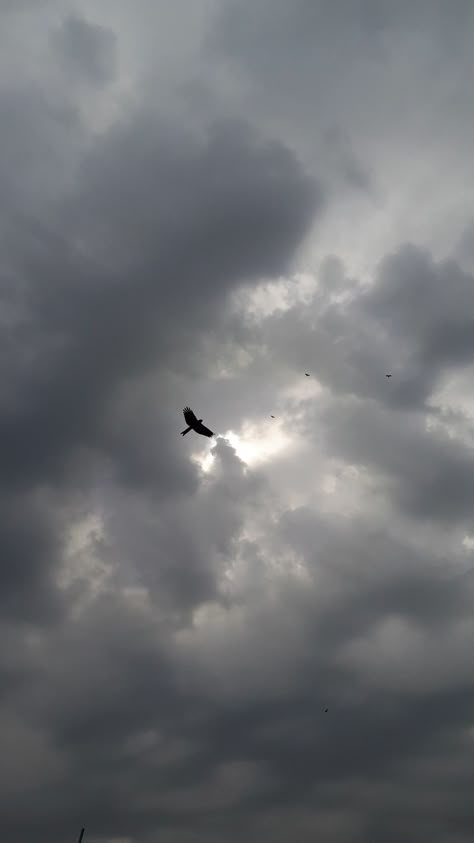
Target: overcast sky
{"x":269,"y":635}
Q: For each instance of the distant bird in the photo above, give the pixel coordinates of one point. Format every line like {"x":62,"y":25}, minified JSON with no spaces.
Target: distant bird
{"x":388,"y":376}
{"x":326,"y":710}
{"x":272,"y":417}
{"x":194,"y":424}
{"x":306,"y":373}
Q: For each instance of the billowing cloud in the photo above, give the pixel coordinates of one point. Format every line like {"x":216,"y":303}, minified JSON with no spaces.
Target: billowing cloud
{"x":267,"y":634}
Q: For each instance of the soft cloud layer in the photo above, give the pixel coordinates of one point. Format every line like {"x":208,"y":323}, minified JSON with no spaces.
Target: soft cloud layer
{"x":86,"y":49}
{"x":266,"y":635}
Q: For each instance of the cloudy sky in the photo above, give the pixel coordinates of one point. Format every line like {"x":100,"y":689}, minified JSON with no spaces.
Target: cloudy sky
{"x":201,"y":200}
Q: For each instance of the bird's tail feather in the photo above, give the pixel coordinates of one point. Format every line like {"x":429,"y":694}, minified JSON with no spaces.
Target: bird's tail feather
{"x":184,"y":432}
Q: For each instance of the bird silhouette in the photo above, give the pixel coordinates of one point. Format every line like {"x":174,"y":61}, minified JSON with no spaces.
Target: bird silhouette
{"x":272,"y":417}
{"x":388,"y":376}
{"x":306,"y":373}
{"x":194,"y":424}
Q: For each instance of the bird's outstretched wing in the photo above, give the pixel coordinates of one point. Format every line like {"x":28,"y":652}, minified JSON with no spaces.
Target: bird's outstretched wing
{"x":190,"y":418}
{"x":200,"y":428}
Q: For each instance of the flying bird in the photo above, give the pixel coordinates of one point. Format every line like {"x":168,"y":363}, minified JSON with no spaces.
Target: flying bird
{"x":306,"y":373}
{"x":272,"y":417}
{"x":388,"y":376}
{"x":194,"y":424}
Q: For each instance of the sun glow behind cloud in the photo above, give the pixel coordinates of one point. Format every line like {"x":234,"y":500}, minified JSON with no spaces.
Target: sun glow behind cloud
{"x":254,"y":444}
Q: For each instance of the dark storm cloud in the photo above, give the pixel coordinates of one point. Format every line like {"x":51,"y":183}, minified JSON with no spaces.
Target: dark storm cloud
{"x":180,"y":552}
{"x":30,"y":547}
{"x":191,"y":220}
{"x":376,"y":573}
{"x":415,"y":321}
{"x":92,"y":705}
{"x":38,"y":137}
{"x":114,"y":283}
{"x":227,"y":188}
{"x":86,"y":50}
{"x":340,"y":149}
{"x":365,"y":68}
{"x":432,"y":473}
{"x":120,"y":702}
{"x":283,"y":725}
{"x":174,"y":685}
{"x":284,"y":50}
{"x":427,"y":304}
{"x":464,"y":248}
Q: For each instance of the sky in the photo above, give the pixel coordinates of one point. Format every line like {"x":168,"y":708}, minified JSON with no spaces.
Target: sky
{"x":267,"y":635}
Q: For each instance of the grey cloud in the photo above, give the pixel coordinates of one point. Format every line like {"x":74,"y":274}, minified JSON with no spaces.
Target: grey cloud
{"x":9,"y":6}
{"x":340,"y":149}
{"x":286,"y":728}
{"x":119,"y":700}
{"x":87,"y":344}
{"x":414,"y":322}
{"x":349,"y":355}
{"x":229,"y":184}
{"x":372,"y":572}
{"x":464,"y":249}
{"x":313,"y":66}
{"x":81,"y":340}
{"x":85,"y":348}
{"x":38,"y":140}
{"x":429,"y":474}
{"x":167,"y":676}
{"x":109,"y":323}
{"x":134,"y":694}
{"x":30,"y":546}
{"x":428,"y":305}
{"x":178,"y":554}
{"x":86,"y":50}
{"x":285,"y":51}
